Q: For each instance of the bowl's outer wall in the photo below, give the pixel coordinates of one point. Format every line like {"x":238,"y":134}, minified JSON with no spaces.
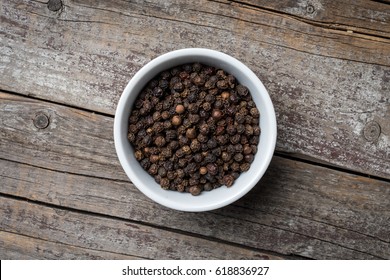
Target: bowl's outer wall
{"x":207,"y":200}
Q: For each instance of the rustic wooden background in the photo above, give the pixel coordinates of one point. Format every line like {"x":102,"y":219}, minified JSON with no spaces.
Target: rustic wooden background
{"x":64,"y":195}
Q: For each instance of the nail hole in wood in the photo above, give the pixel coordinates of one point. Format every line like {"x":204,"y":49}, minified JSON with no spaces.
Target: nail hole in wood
{"x":41,"y":121}
{"x":310,"y":9}
{"x":54,"y":5}
{"x":371,"y":131}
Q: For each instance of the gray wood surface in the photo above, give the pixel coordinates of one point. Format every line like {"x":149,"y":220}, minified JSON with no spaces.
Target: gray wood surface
{"x":22,"y":247}
{"x":317,"y":76}
{"x":317,"y":212}
{"x":64,"y":195}
{"x":112,"y":235}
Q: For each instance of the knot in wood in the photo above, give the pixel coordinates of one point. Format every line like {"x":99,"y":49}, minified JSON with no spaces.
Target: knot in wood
{"x":41,"y":121}
{"x":54,"y":5}
{"x":310,"y":9}
{"x":371,"y":131}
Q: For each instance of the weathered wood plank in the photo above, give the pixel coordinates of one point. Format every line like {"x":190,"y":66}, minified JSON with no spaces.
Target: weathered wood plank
{"x":93,"y":232}
{"x":327,"y":85}
{"x":75,"y":141}
{"x":21,"y":247}
{"x":366,"y":17}
{"x":297,"y":209}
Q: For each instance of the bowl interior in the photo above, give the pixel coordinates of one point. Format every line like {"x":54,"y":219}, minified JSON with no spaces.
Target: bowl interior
{"x":206,"y":200}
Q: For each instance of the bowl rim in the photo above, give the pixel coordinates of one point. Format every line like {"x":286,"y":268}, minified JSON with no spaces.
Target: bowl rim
{"x":151,"y":66}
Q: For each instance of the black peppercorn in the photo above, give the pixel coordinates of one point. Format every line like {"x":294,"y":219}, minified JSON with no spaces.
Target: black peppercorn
{"x":212,"y":143}
{"x":164,"y":183}
{"x":202,"y":138}
{"x":212,"y":168}
{"x":216,"y":114}
{"x":240,"y":128}
{"x":235,"y":166}
{"x":160,"y":141}
{"x":204,"y":129}
{"x":191,"y":133}
{"x":238,"y":157}
{"x":228,"y":180}
{"x":176,"y":120}
{"x":195,"y":145}
{"x":222,"y":84}
{"x":153,"y":169}
{"x":247,"y":150}
{"x":226,"y":156}
{"x":249,"y":158}
{"x":198,"y":158}
{"x":138,"y":155}
{"x":235,"y":139}
{"x":245,"y":167}
{"x":242,"y":90}
{"x":195,"y":190}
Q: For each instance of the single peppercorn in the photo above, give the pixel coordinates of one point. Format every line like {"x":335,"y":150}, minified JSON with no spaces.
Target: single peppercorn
{"x":195,"y":145}
{"x":180,"y":109}
{"x":242,"y":90}
{"x":203,"y":170}
{"x":206,"y":106}
{"x":202,"y":138}
{"x":249,"y":158}
{"x":226,"y":156}
{"x":195,"y":190}
{"x":153,"y":169}
{"x":222,"y":84}
{"x":176,"y":120}
{"x":164,"y":183}
{"x":204,"y":129}
{"x":247,"y":150}
{"x":138,"y":155}
{"x":216,"y":114}
{"x":154,"y":158}
{"x":244,"y":167}
{"x":212,"y":168}
{"x":225,"y":95}
{"x":191,"y":133}
{"x":228,"y":180}
{"x":238,"y":157}
{"x":159,"y":141}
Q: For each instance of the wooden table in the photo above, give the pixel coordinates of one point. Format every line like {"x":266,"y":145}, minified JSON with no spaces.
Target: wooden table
{"x":64,"y":65}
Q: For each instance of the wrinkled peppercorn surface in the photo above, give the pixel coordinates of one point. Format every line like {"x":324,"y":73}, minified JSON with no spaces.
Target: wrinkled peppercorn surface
{"x":194,"y":128}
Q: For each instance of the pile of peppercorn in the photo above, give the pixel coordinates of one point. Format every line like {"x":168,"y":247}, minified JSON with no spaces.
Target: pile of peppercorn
{"x":194,"y":128}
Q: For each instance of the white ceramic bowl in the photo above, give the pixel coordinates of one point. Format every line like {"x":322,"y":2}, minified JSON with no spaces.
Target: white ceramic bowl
{"x":218,"y":197}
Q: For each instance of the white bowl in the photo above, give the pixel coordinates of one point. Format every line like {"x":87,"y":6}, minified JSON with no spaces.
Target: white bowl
{"x":207,"y":200}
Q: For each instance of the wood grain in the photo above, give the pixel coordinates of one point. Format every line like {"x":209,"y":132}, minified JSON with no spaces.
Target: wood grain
{"x":361,"y":16}
{"x":91,"y":232}
{"x":20,"y":247}
{"x":297,"y":209}
{"x":326,"y":84}
{"x":75,"y":141}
